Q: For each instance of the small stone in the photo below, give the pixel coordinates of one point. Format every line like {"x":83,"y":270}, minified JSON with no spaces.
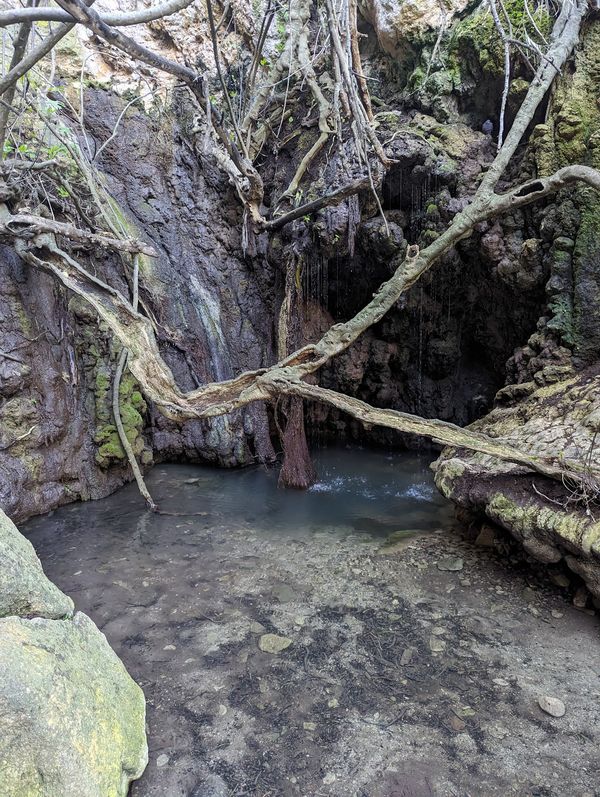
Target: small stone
{"x":450,"y":563}
{"x":169,"y":647}
{"x":257,"y":628}
{"x":406,"y":657}
{"x":486,"y":537}
{"x":552,"y":706}
{"x":272,"y":643}
{"x":333,"y":703}
{"x":465,"y":744}
{"x":329,"y":778}
{"x":556,"y":614}
{"x":309,"y":726}
{"x":438,"y":630}
{"x":162,"y":760}
{"x":580,"y":598}
{"x":560,"y":579}
{"x":456,"y":723}
{"x":500,"y":682}
{"x":191,"y":481}
{"x":436,"y":645}
{"x":222,"y":710}
{"x":299,"y":620}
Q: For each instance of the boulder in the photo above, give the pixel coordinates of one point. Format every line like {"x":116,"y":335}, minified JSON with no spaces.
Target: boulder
{"x":400,"y":23}
{"x":552,"y":520}
{"x":72,"y":719}
{"x":24,"y":589}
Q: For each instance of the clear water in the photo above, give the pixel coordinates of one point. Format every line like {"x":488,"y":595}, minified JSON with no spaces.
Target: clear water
{"x":358,"y":490}
{"x":177,"y":596}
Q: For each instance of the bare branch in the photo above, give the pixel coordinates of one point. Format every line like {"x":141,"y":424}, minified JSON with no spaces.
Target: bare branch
{"x":17,"y":15}
{"x":25,"y":225}
{"x":20,"y":45}
{"x":334,"y":198}
{"x":442,"y":432}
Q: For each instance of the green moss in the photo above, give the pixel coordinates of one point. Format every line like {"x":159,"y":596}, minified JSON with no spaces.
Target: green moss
{"x":476,"y":36}
{"x":132,"y":409}
{"x":562,"y":321}
{"x":530,"y":519}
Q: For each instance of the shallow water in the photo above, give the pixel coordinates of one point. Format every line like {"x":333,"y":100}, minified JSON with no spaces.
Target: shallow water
{"x":357,"y":490}
{"x":178,"y":595}
{"x":184,"y":600}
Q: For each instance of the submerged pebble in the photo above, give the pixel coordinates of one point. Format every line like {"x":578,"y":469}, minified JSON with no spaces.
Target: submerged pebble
{"x":273,"y":643}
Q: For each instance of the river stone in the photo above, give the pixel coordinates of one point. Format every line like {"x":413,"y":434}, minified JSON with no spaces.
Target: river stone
{"x":272,"y":643}
{"x":24,"y":589}
{"x":72,"y":720}
{"x":552,"y":706}
{"x":450,"y":563}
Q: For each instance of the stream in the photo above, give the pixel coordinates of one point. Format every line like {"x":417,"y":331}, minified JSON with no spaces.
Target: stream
{"x":389,"y":656}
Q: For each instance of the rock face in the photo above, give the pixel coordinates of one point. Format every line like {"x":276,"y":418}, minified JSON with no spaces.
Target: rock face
{"x":402,"y":23}
{"x":551,"y":522}
{"x":72,"y":719}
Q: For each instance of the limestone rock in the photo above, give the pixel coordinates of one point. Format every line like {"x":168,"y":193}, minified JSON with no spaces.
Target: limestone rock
{"x":272,"y":643}
{"x":552,"y":706}
{"x":72,"y":719}
{"x":24,"y":589}
{"x":399,"y":23}
{"x":552,"y":420}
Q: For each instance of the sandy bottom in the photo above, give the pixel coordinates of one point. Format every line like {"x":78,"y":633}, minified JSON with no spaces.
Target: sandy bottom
{"x":401,"y":680}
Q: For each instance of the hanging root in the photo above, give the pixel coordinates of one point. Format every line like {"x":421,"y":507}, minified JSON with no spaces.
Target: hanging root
{"x":116,"y":407}
{"x":123,"y":437}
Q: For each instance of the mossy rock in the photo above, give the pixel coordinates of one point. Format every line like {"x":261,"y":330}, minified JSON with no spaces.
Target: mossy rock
{"x":72,"y":719}
{"x":24,"y":589}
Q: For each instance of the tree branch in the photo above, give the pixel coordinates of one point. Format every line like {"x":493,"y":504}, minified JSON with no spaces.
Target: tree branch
{"x":334,"y":198}
{"x":442,"y":432}
{"x":16,"y":15}
{"x":25,"y":225}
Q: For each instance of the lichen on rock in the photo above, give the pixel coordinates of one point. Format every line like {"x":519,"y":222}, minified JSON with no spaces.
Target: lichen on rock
{"x":72,"y":720}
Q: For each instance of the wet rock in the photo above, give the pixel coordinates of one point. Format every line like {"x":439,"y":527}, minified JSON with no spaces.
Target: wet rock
{"x":450,"y":563}
{"x":273,"y":643}
{"x":465,"y":744}
{"x":456,"y":723}
{"x":560,"y":579}
{"x":85,"y":727}
{"x":211,"y":786}
{"x":552,"y":706}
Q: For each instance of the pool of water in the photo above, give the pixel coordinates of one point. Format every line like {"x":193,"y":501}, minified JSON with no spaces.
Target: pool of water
{"x":180,"y":596}
{"x":357,"y":490}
